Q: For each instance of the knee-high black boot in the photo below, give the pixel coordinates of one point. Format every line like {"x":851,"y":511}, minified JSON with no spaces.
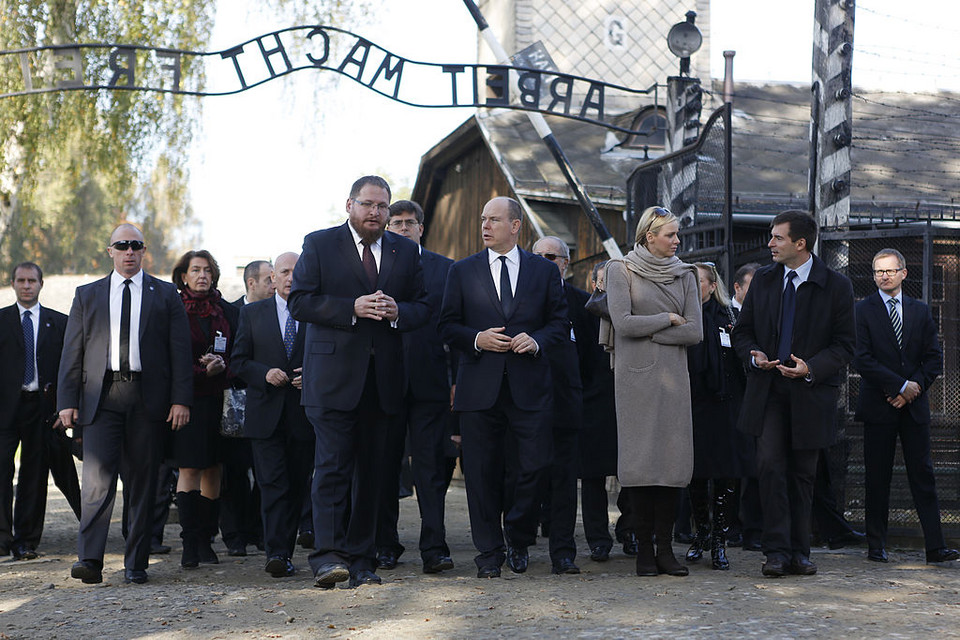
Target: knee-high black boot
{"x":723,"y":500}
{"x":209,"y":525}
{"x":664,"y":514}
{"x":699,"y":504}
{"x":188,"y":506}
{"x":641,"y":507}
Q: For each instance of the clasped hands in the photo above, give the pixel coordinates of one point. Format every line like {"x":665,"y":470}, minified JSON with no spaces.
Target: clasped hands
{"x":376,"y":306}
{"x":494,"y":339}
{"x":908,"y":395}
{"x":279,"y":378}
{"x":799,"y":370}
{"x":214,"y":364}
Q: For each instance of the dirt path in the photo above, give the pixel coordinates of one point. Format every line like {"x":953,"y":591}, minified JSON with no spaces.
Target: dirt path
{"x":236,"y":599}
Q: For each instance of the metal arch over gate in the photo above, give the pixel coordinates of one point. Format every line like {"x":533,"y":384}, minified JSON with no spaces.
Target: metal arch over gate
{"x":123,"y":67}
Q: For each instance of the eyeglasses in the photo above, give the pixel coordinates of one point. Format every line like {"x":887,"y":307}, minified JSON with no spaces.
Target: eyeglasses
{"x":551,"y":256}
{"x":367,"y":204}
{"x":660,"y":212}
{"x":123,"y":245}
{"x":396,"y":223}
{"x":886,"y":272}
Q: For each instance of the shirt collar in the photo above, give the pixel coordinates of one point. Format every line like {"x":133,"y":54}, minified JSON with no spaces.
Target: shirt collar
{"x":357,"y":238}
{"x":281,"y":303}
{"x":512,"y":256}
{"x":34,"y":310}
{"x":116,"y":280}
{"x":803,"y":271}
{"x":886,"y":298}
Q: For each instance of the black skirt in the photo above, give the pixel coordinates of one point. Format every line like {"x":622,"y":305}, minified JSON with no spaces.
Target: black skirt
{"x":197,"y":444}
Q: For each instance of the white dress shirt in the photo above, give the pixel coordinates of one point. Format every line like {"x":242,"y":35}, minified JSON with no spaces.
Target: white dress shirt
{"x":116,"y":302}
{"x":375,"y":248}
{"x":513,"y":268}
{"x":35,"y":319}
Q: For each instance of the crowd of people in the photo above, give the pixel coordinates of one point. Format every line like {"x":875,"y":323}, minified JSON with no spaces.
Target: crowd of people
{"x":284,"y":418}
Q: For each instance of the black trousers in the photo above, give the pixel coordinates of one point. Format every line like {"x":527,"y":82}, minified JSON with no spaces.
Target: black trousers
{"x":559,"y":483}
{"x":786,"y":477}
{"x":594,"y":508}
{"x":349,"y":461}
{"x":240,"y":522}
{"x":485,"y":446}
{"x":22,"y":522}
{"x":879,"y":447}
{"x":58,"y":458}
{"x":120,"y":440}
{"x":283,"y":464}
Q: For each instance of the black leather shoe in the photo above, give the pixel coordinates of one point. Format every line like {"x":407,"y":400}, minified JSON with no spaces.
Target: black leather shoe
{"x":136,"y":576}
{"x":518,"y":559}
{"x":364,"y":577}
{"x":750,"y":544}
{"x":600,"y":553}
{"x":565,"y":565}
{"x":23,"y":552}
{"x":849,"y":539}
{"x":237,"y":551}
{"x":802,"y":566}
{"x":942,"y":555}
{"x":159,"y":549}
{"x":329,"y":574}
{"x":877,"y":555}
{"x":87,"y":571}
{"x":279,"y":567}
{"x":438,"y":564}
{"x":773,"y":568}
{"x":387,"y":560}
{"x":630,"y":544}
{"x":488,"y":572}
{"x":305,"y":539}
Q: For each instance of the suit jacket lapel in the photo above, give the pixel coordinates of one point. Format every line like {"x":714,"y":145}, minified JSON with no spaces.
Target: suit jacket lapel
{"x":273,"y":322}
{"x":147,"y":298}
{"x":16,"y":325}
{"x":351,"y":257}
{"x":485,"y":278}
{"x":388,"y":255}
{"x":43,"y":335}
{"x":907,"y":317}
{"x":523,"y":279}
{"x":100,"y":325}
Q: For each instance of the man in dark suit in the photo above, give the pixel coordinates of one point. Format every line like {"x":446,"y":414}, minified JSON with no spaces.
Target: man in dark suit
{"x":126,"y":369}
{"x":31,"y":339}
{"x":796,"y":334}
{"x":503,"y":309}
{"x":268,"y":356}
{"x":898,"y":356}
{"x":559,"y":483}
{"x":357,"y":288}
{"x":257,"y":282}
{"x":240,"y":521}
{"x":430,"y":369}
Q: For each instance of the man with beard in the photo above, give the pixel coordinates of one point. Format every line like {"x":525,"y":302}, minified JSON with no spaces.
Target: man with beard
{"x":357,"y":289}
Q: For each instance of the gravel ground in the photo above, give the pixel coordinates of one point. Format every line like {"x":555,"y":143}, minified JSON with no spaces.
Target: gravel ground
{"x":849,"y":597}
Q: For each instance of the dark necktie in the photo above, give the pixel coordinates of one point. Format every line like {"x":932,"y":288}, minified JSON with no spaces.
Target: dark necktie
{"x":289,"y":334}
{"x":125,"y":328}
{"x":506,"y":293}
{"x":896,"y":321}
{"x":29,"y":366}
{"x":369,"y":265}
{"x":788,"y":309}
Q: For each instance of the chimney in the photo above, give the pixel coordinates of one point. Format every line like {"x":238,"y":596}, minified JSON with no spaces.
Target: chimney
{"x":728,"y":75}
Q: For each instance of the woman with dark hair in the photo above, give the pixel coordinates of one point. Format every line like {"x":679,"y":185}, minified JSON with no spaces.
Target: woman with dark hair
{"x":719,"y":450}
{"x":654,"y":304}
{"x":195,"y":447}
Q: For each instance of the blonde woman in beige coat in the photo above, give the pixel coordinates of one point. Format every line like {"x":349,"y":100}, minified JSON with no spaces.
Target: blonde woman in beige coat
{"x":654,"y":302}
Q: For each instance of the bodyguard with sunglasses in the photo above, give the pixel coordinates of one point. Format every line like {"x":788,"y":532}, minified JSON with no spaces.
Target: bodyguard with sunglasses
{"x":125,"y":375}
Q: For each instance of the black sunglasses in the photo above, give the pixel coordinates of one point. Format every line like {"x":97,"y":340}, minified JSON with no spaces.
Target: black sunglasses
{"x":123,"y":245}
{"x":550,"y":256}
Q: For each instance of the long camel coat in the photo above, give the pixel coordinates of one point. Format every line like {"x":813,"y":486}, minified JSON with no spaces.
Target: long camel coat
{"x":654,"y":420}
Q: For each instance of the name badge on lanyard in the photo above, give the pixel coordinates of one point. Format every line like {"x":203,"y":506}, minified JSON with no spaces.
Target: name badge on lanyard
{"x":724,"y":338}
{"x":220,"y":343}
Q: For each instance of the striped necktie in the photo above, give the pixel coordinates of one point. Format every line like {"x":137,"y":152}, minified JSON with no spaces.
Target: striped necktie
{"x":896,"y":321}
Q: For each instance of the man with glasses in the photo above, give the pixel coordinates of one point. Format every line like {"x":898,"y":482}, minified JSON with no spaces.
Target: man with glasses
{"x":430,"y":369}
{"x":559,"y":484}
{"x":126,"y":369}
{"x":357,"y":288}
{"x":898,"y":356}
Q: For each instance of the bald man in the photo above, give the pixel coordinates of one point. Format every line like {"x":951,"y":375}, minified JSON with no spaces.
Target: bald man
{"x":126,"y":374}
